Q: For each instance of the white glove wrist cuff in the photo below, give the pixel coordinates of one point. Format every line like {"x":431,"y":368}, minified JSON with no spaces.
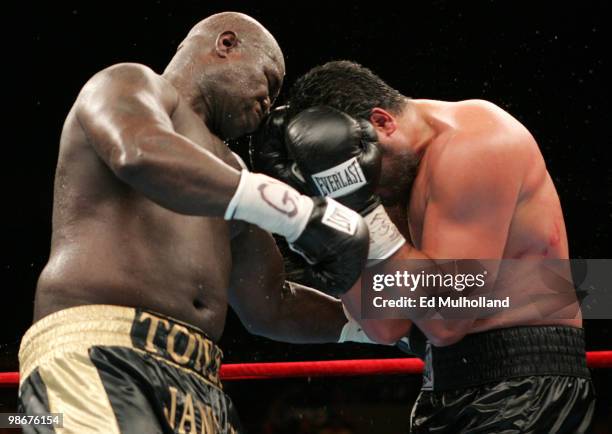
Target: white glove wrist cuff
{"x":385,"y":238}
{"x":270,"y":204}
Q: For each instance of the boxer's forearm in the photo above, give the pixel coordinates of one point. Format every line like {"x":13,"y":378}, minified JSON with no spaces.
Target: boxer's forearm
{"x":389,"y":331}
{"x":180,"y":176}
{"x":305,"y":315}
{"x":382,"y":331}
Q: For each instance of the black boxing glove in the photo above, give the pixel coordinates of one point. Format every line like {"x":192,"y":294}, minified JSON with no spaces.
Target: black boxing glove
{"x":335,"y":243}
{"x":339,"y":157}
{"x":269,"y":154}
{"x":331,"y":237}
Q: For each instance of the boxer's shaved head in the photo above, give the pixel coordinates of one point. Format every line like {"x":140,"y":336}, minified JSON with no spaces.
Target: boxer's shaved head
{"x":220,"y":22}
{"x":346,"y":86}
{"x":231,"y":68}
{"x":248,"y":31}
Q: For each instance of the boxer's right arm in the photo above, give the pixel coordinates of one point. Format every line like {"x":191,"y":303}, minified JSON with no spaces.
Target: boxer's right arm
{"x":125,"y":112}
{"x":267,"y":305}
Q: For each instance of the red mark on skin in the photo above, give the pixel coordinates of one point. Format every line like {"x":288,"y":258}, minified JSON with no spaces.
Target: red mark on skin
{"x":555,"y":237}
{"x":553,"y":240}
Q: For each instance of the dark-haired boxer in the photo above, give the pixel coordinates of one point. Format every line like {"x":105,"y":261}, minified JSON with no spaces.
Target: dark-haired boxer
{"x":444,"y":180}
{"x":157,"y":228}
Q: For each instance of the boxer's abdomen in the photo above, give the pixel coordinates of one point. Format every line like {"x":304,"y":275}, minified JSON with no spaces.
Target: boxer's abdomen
{"x":132,"y":252}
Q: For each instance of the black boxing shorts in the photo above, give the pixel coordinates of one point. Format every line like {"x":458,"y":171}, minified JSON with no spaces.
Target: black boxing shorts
{"x":111,"y":369}
{"x":514,"y":380}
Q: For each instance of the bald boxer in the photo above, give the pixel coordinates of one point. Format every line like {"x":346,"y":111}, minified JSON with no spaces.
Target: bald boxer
{"x":444,"y":180}
{"x":157,"y":227}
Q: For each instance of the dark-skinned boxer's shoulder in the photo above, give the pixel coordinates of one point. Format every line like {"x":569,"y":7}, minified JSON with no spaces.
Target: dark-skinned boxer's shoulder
{"x":135,"y":73}
{"x":124,"y":79}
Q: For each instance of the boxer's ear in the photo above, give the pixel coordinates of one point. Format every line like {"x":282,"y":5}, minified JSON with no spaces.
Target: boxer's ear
{"x":226,"y":42}
{"x":383,"y":121}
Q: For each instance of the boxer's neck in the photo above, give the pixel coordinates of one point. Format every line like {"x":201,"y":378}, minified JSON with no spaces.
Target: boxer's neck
{"x":185,"y":80}
{"x":417,"y":126}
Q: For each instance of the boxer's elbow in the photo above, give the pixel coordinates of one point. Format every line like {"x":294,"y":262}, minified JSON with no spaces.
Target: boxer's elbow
{"x":390,"y":331}
{"x":442,"y":339}
{"x":441,"y":333}
{"x":386,"y":332}
{"x":265,"y":324}
{"x":260,"y":328}
{"x":140,"y":152}
{"x":132,"y":161}
{"x":128,"y":166}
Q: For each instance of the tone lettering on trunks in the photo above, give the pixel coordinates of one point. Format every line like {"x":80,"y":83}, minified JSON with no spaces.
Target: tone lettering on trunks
{"x":176,"y":342}
{"x":340,"y":180}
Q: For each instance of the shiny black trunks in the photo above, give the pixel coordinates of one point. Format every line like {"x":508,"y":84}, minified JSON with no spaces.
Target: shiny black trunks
{"x":512,"y":380}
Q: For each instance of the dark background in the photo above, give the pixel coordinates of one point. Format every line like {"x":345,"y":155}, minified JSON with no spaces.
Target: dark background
{"x":545,"y":64}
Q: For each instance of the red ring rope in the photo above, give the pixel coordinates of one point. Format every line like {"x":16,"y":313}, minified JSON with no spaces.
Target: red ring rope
{"x":328,"y":368}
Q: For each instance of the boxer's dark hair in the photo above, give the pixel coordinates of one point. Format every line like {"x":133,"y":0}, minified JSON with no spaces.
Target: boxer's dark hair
{"x":346,"y":86}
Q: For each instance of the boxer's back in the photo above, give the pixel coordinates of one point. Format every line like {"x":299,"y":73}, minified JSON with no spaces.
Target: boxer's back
{"x":112,"y":245}
{"x":536,"y":231}
{"x":537,"y":228}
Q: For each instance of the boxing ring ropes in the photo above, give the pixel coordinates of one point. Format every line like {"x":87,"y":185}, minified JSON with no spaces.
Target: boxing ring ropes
{"x":328,"y":368}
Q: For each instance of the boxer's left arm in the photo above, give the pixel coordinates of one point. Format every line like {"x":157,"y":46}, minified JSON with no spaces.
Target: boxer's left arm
{"x":474,"y":189}
{"x":474,"y":185}
{"x":268,"y":305}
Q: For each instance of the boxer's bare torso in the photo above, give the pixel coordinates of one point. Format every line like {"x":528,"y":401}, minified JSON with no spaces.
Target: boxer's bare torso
{"x":537,"y":228}
{"x":113,"y":245}
{"x":481,"y":191}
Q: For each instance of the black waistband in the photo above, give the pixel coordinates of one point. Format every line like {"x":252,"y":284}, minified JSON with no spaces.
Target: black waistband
{"x":499,"y":354}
